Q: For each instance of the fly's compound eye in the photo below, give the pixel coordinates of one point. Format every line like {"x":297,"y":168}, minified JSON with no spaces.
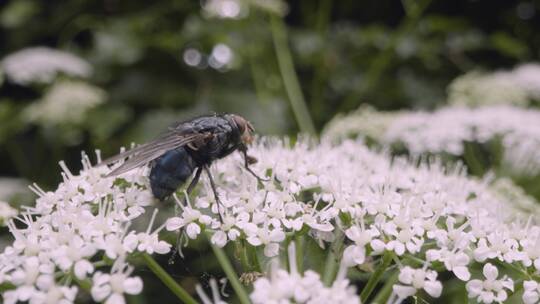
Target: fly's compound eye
{"x":245,"y":128}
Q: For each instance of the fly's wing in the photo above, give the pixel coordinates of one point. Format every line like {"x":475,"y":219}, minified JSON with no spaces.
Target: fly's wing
{"x":145,"y":153}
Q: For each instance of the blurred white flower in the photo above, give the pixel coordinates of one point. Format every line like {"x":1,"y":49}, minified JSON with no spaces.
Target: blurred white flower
{"x":192,"y":57}
{"x":513,"y":87}
{"x":6,"y":212}
{"x":491,"y":289}
{"x":448,"y":129}
{"x":364,"y":122}
{"x":508,"y":190}
{"x":226,"y":9}
{"x":221,"y":56}
{"x":527,"y":76}
{"x":42,"y":65}
{"x":12,"y":187}
{"x":480,"y":89}
{"x":67,"y":102}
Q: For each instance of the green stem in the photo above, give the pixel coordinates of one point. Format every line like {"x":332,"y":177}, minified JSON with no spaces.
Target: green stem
{"x":180,"y":292}
{"x":241,"y":250}
{"x":253,"y":258}
{"x":289,"y":77}
{"x":332,"y":260}
{"x":385,"y":292}
{"x":229,"y":271}
{"x":85,"y":285}
{"x":376,"y":277}
{"x":258,"y":81}
{"x":471,"y":159}
{"x":299,"y":243}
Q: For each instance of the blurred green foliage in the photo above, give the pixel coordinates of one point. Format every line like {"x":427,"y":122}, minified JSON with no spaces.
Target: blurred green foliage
{"x":390,"y":54}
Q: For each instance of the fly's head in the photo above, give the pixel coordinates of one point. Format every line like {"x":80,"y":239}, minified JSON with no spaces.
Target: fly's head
{"x":245,"y":129}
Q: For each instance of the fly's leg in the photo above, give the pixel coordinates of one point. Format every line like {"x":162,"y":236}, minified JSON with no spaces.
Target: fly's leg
{"x":251,"y":160}
{"x":192,"y":185}
{"x":194,"y":181}
{"x":213,"y":185}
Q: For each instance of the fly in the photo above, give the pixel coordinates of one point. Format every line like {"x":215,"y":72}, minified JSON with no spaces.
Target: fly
{"x":188,"y":147}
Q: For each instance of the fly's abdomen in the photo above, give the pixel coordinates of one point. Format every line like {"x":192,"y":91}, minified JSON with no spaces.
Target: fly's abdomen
{"x":170,"y":171}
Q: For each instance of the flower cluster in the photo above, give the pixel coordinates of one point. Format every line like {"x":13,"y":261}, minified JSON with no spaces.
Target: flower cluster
{"x":448,"y":129}
{"x":380,"y":207}
{"x":76,"y":231}
{"x":372,"y":204}
{"x":491,"y":289}
{"x":65,"y":102}
{"x":516,"y":87}
{"x":411,"y":280}
{"x":42,"y":65}
{"x":283,"y":286}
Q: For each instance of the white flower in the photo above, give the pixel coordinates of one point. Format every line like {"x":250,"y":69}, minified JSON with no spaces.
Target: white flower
{"x":190,"y":219}
{"x":42,"y":65}
{"x":491,"y":289}
{"x":498,"y":244}
{"x":361,"y":237}
{"x":531,"y":248}
{"x":110,"y":288}
{"x":531,"y":294}
{"x":292,"y":287}
{"x":68,"y":230}
{"x":415,"y":279}
{"x":269,"y":238}
{"x":455,"y":261}
{"x":148,"y":241}
{"x":379,"y":203}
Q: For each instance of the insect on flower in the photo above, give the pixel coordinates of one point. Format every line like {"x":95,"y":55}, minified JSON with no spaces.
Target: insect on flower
{"x":188,"y":147}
